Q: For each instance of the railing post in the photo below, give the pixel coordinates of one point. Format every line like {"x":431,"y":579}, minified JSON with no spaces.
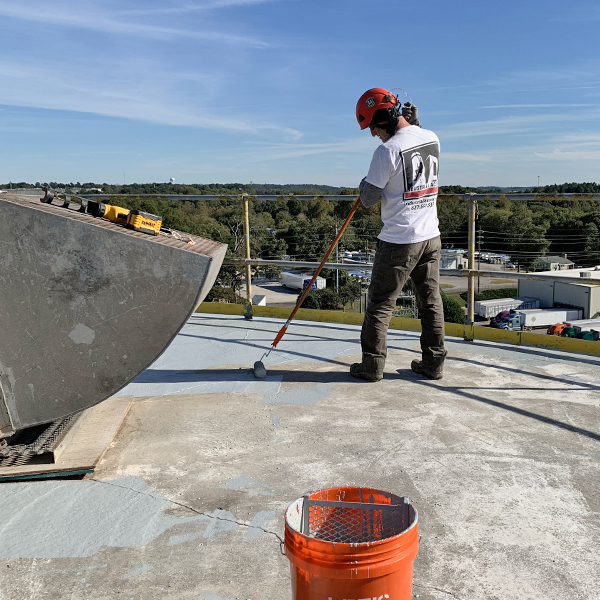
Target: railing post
{"x":248,"y":305}
{"x":471,"y":289}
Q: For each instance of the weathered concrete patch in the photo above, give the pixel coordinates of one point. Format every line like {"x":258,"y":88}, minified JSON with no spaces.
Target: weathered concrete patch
{"x":76,"y":570}
{"x":182,"y":538}
{"x":243,"y":483}
{"x":135,"y":572}
{"x":81,"y":334}
{"x":211,"y":596}
{"x":301,"y":396}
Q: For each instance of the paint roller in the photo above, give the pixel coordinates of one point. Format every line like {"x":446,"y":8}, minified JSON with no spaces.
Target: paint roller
{"x":260,"y":372}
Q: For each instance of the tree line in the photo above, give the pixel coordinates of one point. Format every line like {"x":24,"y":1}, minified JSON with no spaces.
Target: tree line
{"x":527,"y":230}
{"x":303,"y":229}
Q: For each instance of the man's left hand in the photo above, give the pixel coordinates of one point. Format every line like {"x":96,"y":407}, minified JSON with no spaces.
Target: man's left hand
{"x":409,"y":112}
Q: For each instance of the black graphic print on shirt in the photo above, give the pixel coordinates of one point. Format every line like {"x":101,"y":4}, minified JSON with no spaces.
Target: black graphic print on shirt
{"x":421,"y":165}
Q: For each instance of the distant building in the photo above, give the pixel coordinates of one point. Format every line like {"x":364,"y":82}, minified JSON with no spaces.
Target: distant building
{"x":453,"y":259}
{"x":553,"y":263}
{"x":557,"y":293}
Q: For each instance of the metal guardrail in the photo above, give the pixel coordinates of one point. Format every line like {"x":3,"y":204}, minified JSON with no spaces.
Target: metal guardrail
{"x":450,"y":272}
{"x":348,"y":197}
{"x":471,"y":273}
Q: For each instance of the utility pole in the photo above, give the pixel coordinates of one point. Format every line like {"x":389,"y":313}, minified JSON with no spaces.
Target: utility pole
{"x":337,"y":271}
{"x":248,"y":305}
{"x":479,"y":234}
{"x":471,"y":289}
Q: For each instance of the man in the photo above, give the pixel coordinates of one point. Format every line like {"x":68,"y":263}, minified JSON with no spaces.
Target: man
{"x":404,"y":173}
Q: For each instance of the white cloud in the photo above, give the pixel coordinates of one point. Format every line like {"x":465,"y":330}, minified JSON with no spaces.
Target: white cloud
{"x":523,"y":124}
{"x":89,"y":16}
{"x":462,"y":157}
{"x":503,"y":125}
{"x":539,"y":105}
{"x":190,"y":8}
{"x":574,"y":155}
{"x":571,"y":77}
{"x":140,"y":99}
{"x":264,"y":152}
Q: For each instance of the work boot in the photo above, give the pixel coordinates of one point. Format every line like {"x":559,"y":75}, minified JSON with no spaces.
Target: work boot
{"x":430,"y":369}
{"x":370,"y":369}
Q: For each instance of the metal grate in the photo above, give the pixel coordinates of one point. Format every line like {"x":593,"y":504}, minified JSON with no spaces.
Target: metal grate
{"x":354,"y":522}
{"x":35,"y":444}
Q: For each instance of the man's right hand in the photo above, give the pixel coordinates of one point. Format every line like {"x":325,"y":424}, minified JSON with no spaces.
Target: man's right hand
{"x":409,"y":112}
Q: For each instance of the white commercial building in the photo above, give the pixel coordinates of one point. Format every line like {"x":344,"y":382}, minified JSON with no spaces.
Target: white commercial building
{"x":552,"y":293}
{"x":453,"y":259}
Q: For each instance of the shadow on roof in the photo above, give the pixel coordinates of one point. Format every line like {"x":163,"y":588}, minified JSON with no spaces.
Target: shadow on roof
{"x":514,"y":409}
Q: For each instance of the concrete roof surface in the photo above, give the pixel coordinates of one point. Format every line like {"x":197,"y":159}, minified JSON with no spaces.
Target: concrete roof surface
{"x":500,"y":458}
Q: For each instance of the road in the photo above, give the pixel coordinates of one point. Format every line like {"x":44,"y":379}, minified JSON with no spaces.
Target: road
{"x":277,"y":295}
{"x":459,"y":284}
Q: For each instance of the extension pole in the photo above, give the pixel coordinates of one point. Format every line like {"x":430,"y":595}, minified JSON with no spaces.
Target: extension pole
{"x":248,"y":308}
{"x":471,"y":289}
{"x":314,"y":277}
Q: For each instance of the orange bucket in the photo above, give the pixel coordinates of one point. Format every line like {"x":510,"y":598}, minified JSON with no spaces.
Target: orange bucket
{"x":351,"y":543}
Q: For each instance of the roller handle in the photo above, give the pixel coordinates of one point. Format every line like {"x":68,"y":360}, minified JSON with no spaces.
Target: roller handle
{"x":319,"y":268}
{"x":279,"y":335}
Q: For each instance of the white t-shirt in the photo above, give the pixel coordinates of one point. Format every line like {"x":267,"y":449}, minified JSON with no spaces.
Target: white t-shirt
{"x":406,"y":168}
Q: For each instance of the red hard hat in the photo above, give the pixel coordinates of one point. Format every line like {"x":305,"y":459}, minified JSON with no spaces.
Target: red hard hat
{"x":370,"y":102}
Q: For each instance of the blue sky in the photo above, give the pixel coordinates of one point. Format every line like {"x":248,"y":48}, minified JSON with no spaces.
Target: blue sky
{"x":265,"y":90}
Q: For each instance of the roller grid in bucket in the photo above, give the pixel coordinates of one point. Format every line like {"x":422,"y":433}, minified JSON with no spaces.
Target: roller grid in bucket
{"x":354,"y":522}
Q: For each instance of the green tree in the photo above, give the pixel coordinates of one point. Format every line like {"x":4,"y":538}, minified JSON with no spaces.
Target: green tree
{"x":218,"y":292}
{"x":328,"y":299}
{"x":319,"y":208}
{"x":517,"y":230}
{"x":350,"y":292}
{"x":310,"y":301}
{"x":325,"y":299}
{"x":592,"y":244}
{"x":453,"y":311}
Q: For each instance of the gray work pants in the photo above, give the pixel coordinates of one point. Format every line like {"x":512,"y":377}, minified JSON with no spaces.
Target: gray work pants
{"x":393,"y":265}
